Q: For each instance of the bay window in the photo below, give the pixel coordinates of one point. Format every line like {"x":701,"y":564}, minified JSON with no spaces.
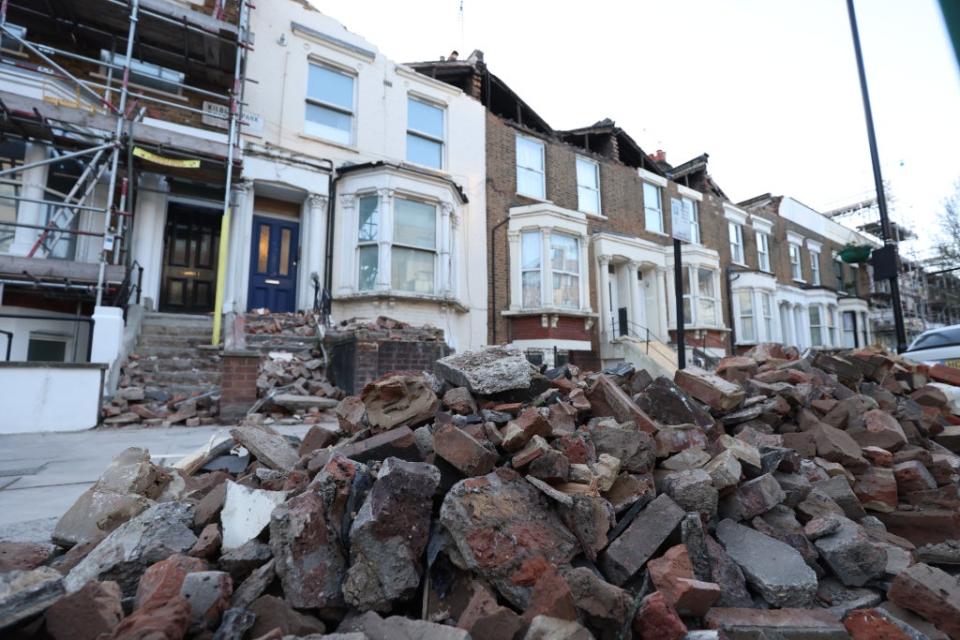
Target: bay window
{"x":838,"y":273}
{"x":588,"y":185}
{"x":795,"y":269}
{"x":747,"y":329}
{"x":816,"y":325}
{"x":329,"y":108}
{"x":410,"y":244}
{"x":424,"y":133}
{"x":831,"y":326}
{"x":700,"y":302}
{"x":652,"y":208}
{"x":530,"y":167}
{"x":815,"y":267}
{"x":736,"y":241}
{"x":763,"y":251}
{"x":562,"y":274}
{"x":849,"y":319}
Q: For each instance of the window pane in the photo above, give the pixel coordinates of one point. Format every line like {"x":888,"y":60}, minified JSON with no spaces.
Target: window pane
{"x":687,"y":318}
{"x":368,"y":267}
{"x":531,"y":289}
{"x":329,"y":124}
{"x":415,"y":223}
{"x":745,"y":298}
{"x":529,"y":154}
{"x":588,"y":200}
{"x":686,"y":281}
{"x":285,"y":239}
{"x":706,"y":282}
{"x":566,"y":290}
{"x":369,"y":220}
{"x":420,"y":150}
{"x":746,"y":328}
{"x":332,"y":87}
{"x":587,"y":174}
{"x":529,"y":182}
{"x":707,"y":310}
{"x":530,"y":250}
{"x":412,"y":270}
{"x":263,"y":248}
{"x":39,"y":350}
{"x":425,"y":118}
{"x":564,"y":255}
{"x":653,"y":213}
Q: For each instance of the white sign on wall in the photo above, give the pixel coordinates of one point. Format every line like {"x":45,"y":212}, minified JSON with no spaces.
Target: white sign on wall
{"x":680,"y":221}
{"x":216,"y":115}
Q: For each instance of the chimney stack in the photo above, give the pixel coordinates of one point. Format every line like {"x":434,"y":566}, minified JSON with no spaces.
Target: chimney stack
{"x":453,"y":55}
{"x":659,"y":156}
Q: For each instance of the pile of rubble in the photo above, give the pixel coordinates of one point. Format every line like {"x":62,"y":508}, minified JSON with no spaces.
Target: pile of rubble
{"x":294,"y":389}
{"x":383,"y":327}
{"x":775,"y":498}
{"x":298,"y":323}
{"x":136,"y":405}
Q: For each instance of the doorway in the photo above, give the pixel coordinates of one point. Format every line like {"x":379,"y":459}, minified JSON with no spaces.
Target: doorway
{"x":274,"y":257}
{"x":191,"y":238}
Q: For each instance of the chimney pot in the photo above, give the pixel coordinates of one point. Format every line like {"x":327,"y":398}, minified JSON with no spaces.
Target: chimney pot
{"x":453,"y":55}
{"x":659,"y":156}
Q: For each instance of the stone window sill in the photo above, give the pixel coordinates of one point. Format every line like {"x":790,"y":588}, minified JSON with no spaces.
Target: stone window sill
{"x":394,"y":297}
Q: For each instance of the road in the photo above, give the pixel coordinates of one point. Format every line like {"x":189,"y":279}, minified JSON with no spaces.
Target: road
{"x":42,"y":474}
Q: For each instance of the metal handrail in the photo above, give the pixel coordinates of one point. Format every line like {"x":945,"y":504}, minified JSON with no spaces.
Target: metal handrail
{"x":122,"y":296}
{"x":634,"y":330}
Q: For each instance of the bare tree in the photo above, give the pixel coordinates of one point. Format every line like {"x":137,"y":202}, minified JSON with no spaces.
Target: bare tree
{"x":949,"y":245}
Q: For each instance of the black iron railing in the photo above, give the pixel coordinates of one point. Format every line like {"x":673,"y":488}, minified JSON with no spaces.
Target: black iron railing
{"x":631,"y":329}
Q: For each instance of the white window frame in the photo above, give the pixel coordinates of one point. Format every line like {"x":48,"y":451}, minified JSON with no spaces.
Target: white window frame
{"x":746,"y":313}
{"x":814,"y":267}
{"x":653,"y":213}
{"x":735,"y":232}
{"x":546,"y":270}
{"x":541,"y":171}
{"x":352,"y":112}
{"x":46,"y":336}
{"x":763,"y":251}
{"x":832,"y":325}
{"x":816,"y":326}
{"x":427,"y":136}
{"x":385,"y":242}
{"x":539,"y":270}
{"x":694,"y":299}
{"x":594,"y":168}
{"x":766,"y":314}
{"x":694,"y":218}
{"x":796,"y":264}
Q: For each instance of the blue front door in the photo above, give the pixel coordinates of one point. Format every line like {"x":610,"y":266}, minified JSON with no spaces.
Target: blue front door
{"x":273,"y":264}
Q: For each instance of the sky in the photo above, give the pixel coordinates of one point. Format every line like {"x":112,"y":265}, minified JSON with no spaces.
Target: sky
{"x":768,"y":88}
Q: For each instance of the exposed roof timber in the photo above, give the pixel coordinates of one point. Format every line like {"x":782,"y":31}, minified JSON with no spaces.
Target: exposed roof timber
{"x":630,"y":152}
{"x":523,"y":113}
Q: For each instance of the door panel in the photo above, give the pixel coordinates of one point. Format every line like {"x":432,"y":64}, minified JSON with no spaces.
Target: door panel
{"x":273,"y":264}
{"x":191,"y":240}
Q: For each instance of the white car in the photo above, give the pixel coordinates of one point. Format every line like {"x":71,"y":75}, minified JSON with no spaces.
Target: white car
{"x":937,"y":346}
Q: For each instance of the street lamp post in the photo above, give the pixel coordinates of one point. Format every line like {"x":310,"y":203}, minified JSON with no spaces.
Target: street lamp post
{"x":885,"y":234}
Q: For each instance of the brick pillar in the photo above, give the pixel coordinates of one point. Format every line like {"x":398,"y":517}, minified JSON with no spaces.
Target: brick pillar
{"x":238,"y":383}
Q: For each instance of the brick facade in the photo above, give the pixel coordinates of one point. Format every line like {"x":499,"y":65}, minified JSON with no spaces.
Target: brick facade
{"x":238,"y":382}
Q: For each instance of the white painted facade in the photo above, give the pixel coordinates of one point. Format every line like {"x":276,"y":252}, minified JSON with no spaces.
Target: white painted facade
{"x":50,"y":397}
{"x":294,"y":44}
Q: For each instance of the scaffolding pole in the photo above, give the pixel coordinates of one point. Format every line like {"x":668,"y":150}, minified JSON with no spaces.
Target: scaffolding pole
{"x":115,"y":156}
{"x":234,"y":124}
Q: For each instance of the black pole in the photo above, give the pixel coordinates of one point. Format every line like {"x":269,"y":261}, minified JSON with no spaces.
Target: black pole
{"x":678,"y":284}
{"x":878,"y":184}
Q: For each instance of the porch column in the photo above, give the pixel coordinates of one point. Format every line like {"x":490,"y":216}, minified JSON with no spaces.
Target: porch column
{"x":33,"y":182}
{"x":636,"y":300}
{"x":346,"y":245}
{"x":605,"y":328}
{"x":516,"y":277}
{"x":147,"y":235}
{"x":454,"y":277}
{"x":786,"y":319}
{"x":546,"y":269}
{"x":663,"y":304}
{"x":314,"y":243}
{"x":445,"y":209}
{"x":584,"y":290}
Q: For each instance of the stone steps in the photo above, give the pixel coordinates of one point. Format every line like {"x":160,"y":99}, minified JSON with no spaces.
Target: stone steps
{"x":178,"y":364}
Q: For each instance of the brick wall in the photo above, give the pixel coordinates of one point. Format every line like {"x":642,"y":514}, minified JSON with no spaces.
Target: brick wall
{"x":238,"y":382}
{"x":357,"y":360}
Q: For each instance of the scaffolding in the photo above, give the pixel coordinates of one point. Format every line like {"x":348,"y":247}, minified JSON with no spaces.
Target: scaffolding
{"x":147,"y":49}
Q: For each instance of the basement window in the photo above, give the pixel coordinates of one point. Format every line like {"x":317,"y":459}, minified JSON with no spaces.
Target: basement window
{"x":46,"y":348}
{"x":145,"y":74}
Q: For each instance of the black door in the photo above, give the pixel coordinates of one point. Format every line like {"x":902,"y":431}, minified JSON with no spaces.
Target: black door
{"x":190,"y":260}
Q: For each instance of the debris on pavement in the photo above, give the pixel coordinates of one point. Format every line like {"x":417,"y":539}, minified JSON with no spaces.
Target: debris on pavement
{"x":775,"y":496}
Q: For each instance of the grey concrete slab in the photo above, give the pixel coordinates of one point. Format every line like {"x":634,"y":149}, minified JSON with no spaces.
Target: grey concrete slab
{"x":42,"y":474}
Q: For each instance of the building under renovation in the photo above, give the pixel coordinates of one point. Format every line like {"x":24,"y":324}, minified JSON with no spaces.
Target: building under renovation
{"x":120,"y":124}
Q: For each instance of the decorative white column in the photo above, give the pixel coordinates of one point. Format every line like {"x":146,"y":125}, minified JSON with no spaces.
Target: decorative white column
{"x":455,"y":255}
{"x":33,"y":181}
{"x":637,"y":300}
{"x":516,"y":278}
{"x":314,"y":247}
{"x":345,"y":249}
{"x":238,"y":258}
{"x":384,"y":266}
{"x":546,"y":269}
{"x":584,"y":275}
{"x":604,"y":277}
{"x":147,"y":235}
{"x":446,"y":209}
{"x":663,"y":304}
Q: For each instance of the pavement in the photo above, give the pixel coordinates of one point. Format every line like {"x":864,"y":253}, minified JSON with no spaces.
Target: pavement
{"x":42,"y":474}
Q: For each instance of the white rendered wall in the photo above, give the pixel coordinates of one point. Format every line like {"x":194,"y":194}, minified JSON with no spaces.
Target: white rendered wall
{"x":49,"y":397}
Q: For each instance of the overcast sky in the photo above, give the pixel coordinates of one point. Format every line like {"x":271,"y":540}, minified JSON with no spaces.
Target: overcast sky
{"x":767,"y":88}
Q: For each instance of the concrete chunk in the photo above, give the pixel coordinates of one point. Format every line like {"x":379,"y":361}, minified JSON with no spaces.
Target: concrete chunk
{"x":627,"y":554}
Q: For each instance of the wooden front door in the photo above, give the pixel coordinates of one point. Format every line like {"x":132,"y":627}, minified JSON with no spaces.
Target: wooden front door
{"x":191,"y":240}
